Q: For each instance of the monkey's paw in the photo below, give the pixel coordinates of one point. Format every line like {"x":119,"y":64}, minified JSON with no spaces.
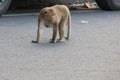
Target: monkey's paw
{"x":60,"y":40}
{"x":34,"y":41}
{"x":67,"y":38}
{"x":52,"y":41}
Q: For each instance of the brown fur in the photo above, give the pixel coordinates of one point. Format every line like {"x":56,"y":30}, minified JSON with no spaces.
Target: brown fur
{"x":57,"y":16}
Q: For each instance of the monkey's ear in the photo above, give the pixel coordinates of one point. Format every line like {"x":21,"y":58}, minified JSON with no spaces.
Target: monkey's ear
{"x":52,"y":11}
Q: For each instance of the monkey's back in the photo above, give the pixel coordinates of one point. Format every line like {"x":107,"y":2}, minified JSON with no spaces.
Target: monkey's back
{"x":62,"y":9}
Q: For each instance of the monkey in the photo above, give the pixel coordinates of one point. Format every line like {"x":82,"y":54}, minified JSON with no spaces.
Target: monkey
{"x":58,"y":16}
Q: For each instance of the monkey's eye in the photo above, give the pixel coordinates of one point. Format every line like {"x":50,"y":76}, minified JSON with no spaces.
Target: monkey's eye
{"x":45,"y":12}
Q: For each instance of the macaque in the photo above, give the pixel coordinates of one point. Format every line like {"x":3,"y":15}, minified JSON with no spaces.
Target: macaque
{"x":58,"y":16}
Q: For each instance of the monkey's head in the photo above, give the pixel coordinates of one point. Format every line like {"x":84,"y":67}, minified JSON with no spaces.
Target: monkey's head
{"x":49,"y":15}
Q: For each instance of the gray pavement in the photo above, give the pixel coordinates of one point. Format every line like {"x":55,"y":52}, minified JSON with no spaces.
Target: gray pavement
{"x":93,"y":53}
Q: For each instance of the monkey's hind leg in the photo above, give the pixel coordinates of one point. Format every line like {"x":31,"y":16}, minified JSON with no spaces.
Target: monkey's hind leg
{"x":69,"y":28}
{"x":61,"y":29}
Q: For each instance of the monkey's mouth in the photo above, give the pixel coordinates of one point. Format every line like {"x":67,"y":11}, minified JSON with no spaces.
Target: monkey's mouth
{"x":47,"y":26}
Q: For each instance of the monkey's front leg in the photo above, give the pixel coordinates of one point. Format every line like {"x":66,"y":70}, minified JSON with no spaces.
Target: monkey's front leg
{"x":38,"y":37}
{"x":54,"y":36}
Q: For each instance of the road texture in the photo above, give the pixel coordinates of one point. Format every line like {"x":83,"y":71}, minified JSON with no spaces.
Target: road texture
{"x":92,"y":53}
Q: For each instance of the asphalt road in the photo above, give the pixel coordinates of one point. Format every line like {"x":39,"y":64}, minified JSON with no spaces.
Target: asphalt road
{"x":92,"y":53}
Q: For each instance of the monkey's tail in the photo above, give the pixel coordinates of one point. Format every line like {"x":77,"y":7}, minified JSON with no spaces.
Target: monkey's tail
{"x":69,"y":27}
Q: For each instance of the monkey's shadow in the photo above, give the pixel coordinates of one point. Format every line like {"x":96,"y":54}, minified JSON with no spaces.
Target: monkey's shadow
{"x":46,"y":44}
